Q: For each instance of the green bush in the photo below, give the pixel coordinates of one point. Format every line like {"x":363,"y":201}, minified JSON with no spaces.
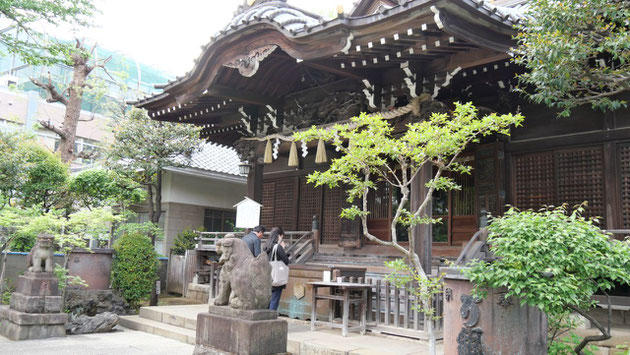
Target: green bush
{"x":135,"y":267}
{"x":552,"y":260}
{"x":184,"y":241}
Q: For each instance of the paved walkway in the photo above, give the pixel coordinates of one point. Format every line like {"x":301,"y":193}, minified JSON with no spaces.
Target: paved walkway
{"x":121,"y":342}
{"x":301,"y":340}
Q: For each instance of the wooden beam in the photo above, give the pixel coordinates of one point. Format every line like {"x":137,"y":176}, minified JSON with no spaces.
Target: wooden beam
{"x":241,"y":95}
{"x":336,"y":70}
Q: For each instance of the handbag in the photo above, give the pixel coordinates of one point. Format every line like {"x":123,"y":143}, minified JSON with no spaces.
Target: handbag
{"x":279,"y":270}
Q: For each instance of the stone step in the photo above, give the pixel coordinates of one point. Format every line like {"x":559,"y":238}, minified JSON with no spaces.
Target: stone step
{"x":154,"y":327}
{"x":170,"y":317}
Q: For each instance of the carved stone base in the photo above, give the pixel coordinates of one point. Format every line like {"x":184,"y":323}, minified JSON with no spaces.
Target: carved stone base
{"x":35,"y":304}
{"x":38,"y":284}
{"x":229,"y":331}
{"x":17,"y":325}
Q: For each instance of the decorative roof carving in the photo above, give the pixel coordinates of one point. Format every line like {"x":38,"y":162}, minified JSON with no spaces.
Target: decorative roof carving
{"x":248,"y":64}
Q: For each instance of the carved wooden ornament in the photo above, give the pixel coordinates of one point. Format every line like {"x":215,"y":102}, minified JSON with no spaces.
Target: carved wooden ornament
{"x":248,"y":64}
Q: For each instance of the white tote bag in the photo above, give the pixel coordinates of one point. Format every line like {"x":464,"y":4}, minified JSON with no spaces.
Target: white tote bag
{"x":279,"y":270}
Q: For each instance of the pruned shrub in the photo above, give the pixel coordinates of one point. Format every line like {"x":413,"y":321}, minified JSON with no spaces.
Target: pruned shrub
{"x":184,"y":241}
{"x":135,"y":267}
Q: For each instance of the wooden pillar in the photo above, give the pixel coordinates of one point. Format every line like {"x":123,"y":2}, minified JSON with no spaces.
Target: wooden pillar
{"x":422,"y":233}
{"x":254,"y":182}
{"x":611,"y":176}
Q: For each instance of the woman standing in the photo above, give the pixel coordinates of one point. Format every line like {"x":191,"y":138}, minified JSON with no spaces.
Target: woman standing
{"x":275,"y":250}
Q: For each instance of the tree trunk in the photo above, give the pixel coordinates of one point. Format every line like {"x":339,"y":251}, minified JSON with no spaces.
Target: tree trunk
{"x":73,"y":111}
{"x":155,"y":212}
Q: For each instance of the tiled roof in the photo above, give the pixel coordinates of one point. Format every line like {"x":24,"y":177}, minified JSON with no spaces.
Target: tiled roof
{"x":287,"y":17}
{"x":217,"y":158}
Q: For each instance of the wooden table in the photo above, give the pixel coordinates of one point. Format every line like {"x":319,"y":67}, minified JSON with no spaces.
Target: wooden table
{"x":349,"y":296}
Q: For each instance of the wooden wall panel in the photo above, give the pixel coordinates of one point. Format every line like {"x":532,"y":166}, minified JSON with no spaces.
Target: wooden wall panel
{"x":310,"y":203}
{"x":331,"y":224}
{"x":534,"y":180}
{"x":581,"y":178}
{"x":623,"y":153}
{"x":569,"y":176}
{"x":268,"y":202}
{"x":284,"y":204}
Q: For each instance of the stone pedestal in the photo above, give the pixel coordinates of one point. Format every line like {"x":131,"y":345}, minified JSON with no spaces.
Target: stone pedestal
{"x":493,"y":325}
{"x":224,"y":330}
{"x":35,"y":310}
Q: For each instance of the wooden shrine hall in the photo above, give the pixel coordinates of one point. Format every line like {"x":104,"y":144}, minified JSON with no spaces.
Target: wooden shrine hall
{"x":275,"y":69}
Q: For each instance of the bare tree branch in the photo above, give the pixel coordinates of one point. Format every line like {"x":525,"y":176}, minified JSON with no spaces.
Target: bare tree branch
{"x":49,"y":125}
{"x":51,"y":90}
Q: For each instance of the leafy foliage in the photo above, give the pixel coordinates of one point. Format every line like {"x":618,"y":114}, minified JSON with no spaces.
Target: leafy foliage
{"x":135,"y":267}
{"x":46,"y":177}
{"x":27,"y":223}
{"x":376,"y":154}
{"x":576,"y":52}
{"x":184,"y":241}
{"x":403,"y":275}
{"x":551,"y":260}
{"x":144,"y":147}
{"x":25,"y":14}
{"x":12,"y":165}
{"x":100,"y":187}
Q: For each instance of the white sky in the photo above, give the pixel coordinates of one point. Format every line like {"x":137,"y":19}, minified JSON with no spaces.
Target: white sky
{"x":167,"y":34}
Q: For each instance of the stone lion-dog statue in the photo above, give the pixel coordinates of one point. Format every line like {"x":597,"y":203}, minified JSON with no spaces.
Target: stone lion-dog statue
{"x":244,"y":281}
{"x":40,"y":258}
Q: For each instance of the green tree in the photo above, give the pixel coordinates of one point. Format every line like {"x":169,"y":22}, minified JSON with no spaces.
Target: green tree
{"x":135,"y":267}
{"x":143,"y":148}
{"x":46,"y":177}
{"x":185,"y":240}
{"x":375,"y":154}
{"x":25,"y":15}
{"x":100,"y":187}
{"x":554,"y":261}
{"x":577,"y":52}
{"x":12,"y":165}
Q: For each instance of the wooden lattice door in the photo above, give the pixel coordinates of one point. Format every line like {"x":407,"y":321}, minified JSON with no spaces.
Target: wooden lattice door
{"x":310,"y":204}
{"x":331,"y":222}
{"x":278,"y":199}
{"x":569,"y":176}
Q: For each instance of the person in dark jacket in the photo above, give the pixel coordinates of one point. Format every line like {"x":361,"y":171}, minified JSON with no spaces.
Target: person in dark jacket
{"x":275,"y":238}
{"x":253,"y":239}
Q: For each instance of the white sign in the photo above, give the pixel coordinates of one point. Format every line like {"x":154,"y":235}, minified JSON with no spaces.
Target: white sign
{"x":247,"y":213}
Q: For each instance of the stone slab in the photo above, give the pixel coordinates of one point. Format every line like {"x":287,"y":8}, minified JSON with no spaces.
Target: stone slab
{"x":15,"y":331}
{"x":253,"y":315}
{"x":22,"y":318}
{"x":240,"y":336}
{"x":38,"y":284}
{"x":35,"y":304}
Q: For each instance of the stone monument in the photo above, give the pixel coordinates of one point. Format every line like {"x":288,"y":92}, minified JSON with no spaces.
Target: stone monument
{"x":35,"y":309}
{"x":238,"y":319}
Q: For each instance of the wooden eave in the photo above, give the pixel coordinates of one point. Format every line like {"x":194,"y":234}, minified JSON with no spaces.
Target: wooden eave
{"x":328,"y":39}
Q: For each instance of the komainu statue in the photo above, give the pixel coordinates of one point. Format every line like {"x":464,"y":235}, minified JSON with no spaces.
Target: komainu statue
{"x":244,"y":281}
{"x":40,"y":258}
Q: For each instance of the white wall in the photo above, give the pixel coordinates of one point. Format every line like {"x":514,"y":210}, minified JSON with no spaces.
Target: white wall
{"x":193,"y":190}
{"x":185,"y":198}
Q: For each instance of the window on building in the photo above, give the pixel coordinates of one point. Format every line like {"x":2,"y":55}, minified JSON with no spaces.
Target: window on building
{"x":219,"y":220}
